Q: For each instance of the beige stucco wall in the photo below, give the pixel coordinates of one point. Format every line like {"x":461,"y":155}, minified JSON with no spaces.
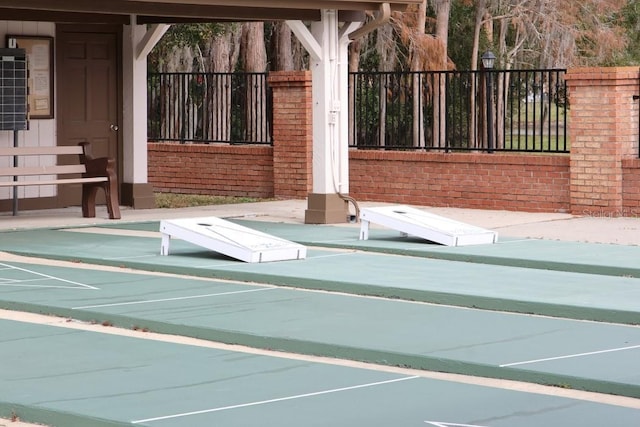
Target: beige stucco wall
{"x":41,"y":132}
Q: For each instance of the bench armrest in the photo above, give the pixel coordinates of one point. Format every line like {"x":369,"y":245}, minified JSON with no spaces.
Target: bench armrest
{"x":102,"y":166}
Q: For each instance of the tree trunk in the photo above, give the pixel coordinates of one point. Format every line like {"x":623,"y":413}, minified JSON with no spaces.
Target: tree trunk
{"x":386,"y":49}
{"x":417,"y":87}
{"x":255,"y":61}
{"x":177,"y":122}
{"x":481,"y":13}
{"x":443,"y":8}
{"x":354,"y":65}
{"x":223,"y":58}
{"x":283,"y":55}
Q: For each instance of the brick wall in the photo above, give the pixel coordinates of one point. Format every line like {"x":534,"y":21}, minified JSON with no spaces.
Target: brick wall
{"x":631,"y":188}
{"x":223,"y":170}
{"x":292,"y":133}
{"x":603,"y":129}
{"x":602,"y":173}
{"x":484,"y":181}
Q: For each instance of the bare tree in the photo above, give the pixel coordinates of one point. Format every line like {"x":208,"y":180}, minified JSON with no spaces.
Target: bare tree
{"x":283,"y":47}
{"x":443,"y":10}
{"x":354,"y":61}
{"x":426,"y":53}
{"x":386,"y":48}
{"x":418,"y":91}
{"x":175,"y":114}
{"x":254,"y":57}
{"x":223,"y":50}
{"x":480,"y":18}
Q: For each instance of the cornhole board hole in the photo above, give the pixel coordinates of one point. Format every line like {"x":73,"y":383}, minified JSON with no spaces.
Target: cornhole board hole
{"x":233,"y":240}
{"x":413,"y":222}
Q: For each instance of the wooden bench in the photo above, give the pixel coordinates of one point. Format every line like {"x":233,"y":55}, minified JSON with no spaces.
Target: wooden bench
{"x":96,"y":173}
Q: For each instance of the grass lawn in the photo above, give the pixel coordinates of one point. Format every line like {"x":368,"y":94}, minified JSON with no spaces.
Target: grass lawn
{"x":172,"y":200}
{"x":544,"y":143}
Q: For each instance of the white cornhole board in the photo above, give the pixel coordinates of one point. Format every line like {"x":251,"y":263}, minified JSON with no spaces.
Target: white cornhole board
{"x":230,"y":239}
{"x":414,"y":222}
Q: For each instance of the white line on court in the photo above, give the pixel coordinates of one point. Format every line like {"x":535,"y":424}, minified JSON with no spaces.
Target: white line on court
{"x":5,"y":280}
{"x":151,"y":301}
{"x":82,"y":285}
{"x":569,"y":356}
{"x":20,"y":284}
{"x":280,"y":399}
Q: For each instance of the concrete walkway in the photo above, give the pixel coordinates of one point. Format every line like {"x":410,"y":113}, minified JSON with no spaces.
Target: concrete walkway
{"x":553,"y":226}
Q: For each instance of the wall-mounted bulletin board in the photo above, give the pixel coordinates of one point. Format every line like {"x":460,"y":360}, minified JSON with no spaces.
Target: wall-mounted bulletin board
{"x":39,"y":51}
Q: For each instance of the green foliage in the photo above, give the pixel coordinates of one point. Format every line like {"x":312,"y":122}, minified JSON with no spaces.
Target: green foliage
{"x":629,"y":19}
{"x":191,"y":34}
{"x":367,"y":109}
{"x":369,"y":60}
{"x":461,"y":26}
{"x":184,"y":35}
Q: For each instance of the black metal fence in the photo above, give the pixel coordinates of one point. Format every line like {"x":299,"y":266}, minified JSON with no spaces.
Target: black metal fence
{"x":497,"y":110}
{"x":449,"y":111}
{"x":209,"y":107}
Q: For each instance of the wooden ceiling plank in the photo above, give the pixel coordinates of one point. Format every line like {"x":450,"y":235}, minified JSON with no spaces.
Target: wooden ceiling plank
{"x":214,"y":9}
{"x":177,"y":11}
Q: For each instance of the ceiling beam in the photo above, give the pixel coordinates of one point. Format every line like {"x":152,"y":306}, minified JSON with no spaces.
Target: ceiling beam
{"x":307,"y":15}
{"x":61,"y":17}
{"x":122,"y":7}
{"x":196,"y":9}
{"x":299,"y":4}
{"x":166,"y":14}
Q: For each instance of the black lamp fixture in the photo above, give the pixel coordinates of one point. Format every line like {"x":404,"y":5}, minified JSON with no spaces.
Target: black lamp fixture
{"x":488,"y":60}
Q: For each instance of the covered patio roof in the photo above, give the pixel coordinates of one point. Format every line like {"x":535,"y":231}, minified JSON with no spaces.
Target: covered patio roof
{"x":334,"y":23}
{"x":174,"y":11}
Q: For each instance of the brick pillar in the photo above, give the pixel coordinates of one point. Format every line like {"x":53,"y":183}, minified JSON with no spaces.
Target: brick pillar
{"x":603,"y":130}
{"x":292,"y":133}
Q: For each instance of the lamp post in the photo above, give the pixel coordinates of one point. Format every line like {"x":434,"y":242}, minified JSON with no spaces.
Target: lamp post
{"x":488,"y":61}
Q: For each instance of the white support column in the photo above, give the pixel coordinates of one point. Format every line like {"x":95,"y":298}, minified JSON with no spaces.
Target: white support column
{"x":328,"y":47}
{"x":343,"y":103}
{"x":137,"y":43}
{"x":134,"y":104}
{"x":329,"y":131}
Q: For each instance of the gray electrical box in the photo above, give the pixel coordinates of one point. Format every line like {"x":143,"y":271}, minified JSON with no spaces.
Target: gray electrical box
{"x":14,"y":110}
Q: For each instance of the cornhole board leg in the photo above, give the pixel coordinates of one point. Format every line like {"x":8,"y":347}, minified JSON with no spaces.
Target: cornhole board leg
{"x":364,"y":229}
{"x":435,"y":228}
{"x":164,"y":246}
{"x":227,"y":238}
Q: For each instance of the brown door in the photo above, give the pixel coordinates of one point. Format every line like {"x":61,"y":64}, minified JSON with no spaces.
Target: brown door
{"x":88,"y":94}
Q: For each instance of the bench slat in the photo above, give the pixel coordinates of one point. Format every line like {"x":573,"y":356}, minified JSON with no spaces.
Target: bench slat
{"x":38,"y":151}
{"x":51,"y":182}
{"x":43,"y":170}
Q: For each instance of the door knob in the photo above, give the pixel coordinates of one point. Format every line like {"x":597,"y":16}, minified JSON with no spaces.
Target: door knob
{"x":114,"y":128}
